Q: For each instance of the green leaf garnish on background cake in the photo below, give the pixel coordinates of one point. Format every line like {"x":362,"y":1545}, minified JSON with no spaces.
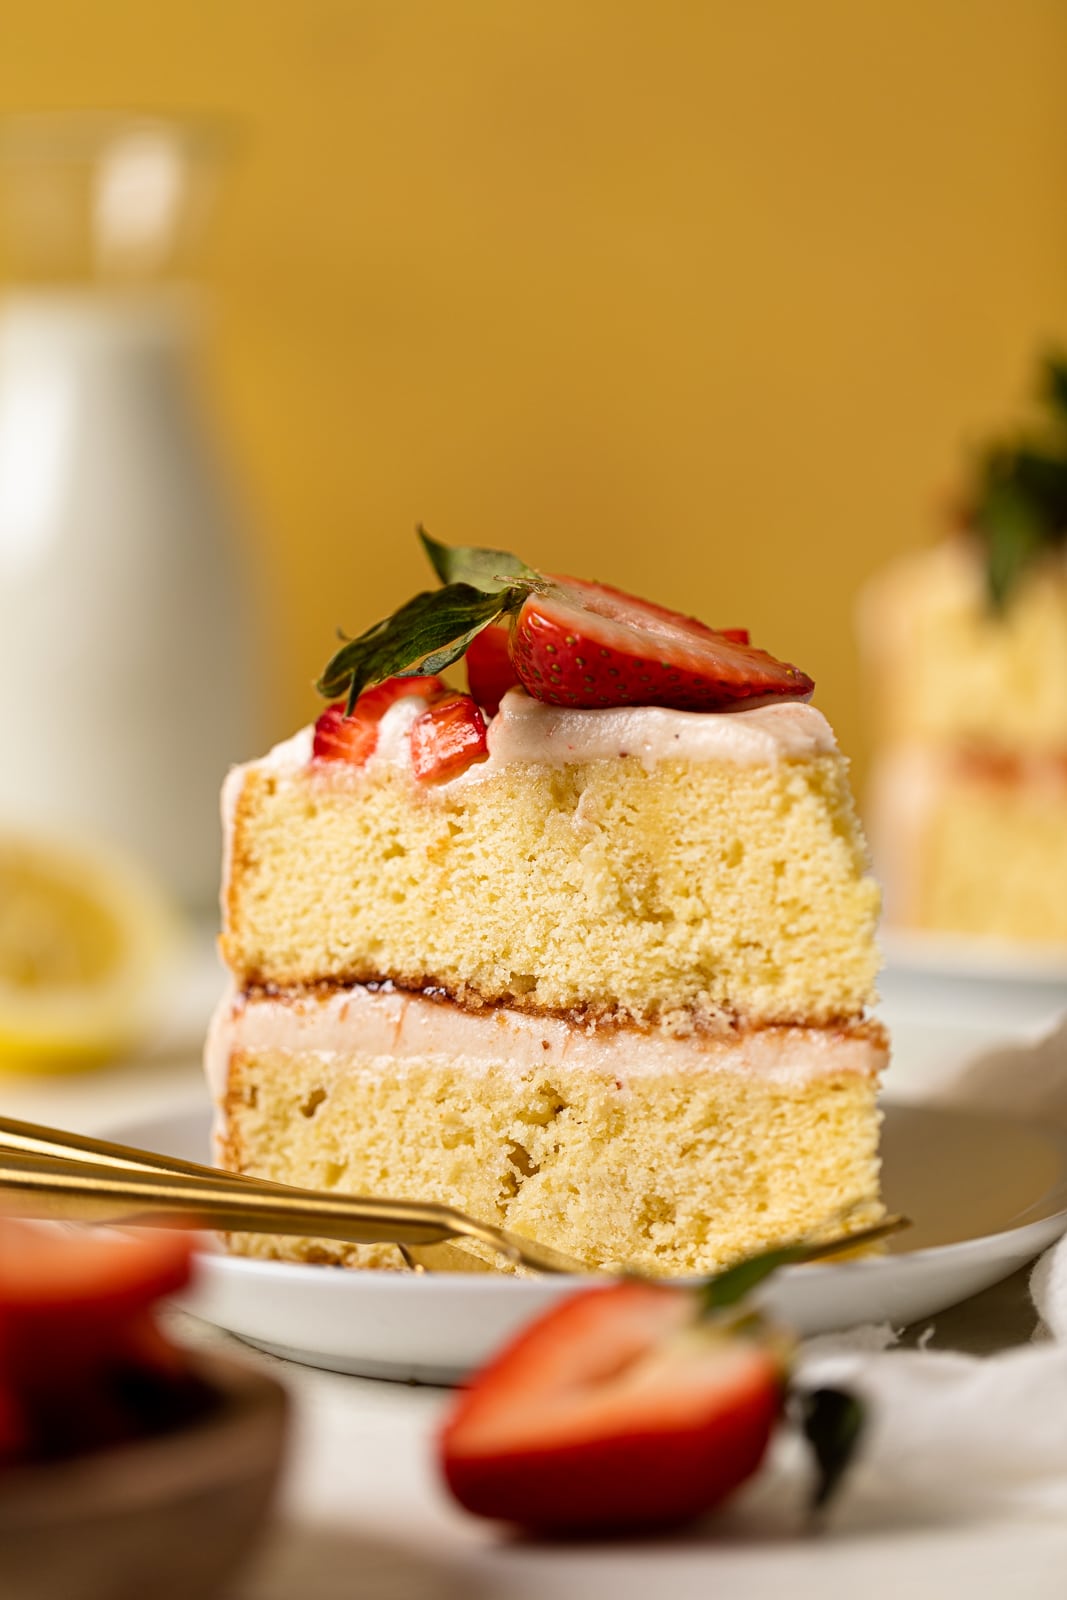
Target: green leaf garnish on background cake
{"x":568,"y":642}
{"x":1017,"y":507}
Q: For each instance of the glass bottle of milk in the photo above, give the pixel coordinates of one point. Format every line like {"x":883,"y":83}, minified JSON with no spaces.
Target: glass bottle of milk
{"x":126,"y":647}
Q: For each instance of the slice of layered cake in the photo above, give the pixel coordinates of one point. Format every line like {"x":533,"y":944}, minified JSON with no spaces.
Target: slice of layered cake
{"x":586,"y":952}
{"x":967,"y":648}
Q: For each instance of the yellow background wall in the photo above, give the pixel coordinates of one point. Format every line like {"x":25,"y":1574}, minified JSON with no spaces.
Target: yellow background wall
{"x":700,"y":296}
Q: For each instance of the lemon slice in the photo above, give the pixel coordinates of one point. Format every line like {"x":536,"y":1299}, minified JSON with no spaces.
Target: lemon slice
{"x":84,"y":938}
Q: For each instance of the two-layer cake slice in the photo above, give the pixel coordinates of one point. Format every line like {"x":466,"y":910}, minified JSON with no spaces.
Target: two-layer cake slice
{"x":605,"y":985}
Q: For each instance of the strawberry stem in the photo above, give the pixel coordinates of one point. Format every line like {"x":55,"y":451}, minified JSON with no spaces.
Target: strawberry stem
{"x":731,"y":1286}
{"x":832,"y":1421}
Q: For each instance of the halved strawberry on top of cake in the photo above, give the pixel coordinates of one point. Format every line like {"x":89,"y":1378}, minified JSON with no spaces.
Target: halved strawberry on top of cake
{"x":586,"y":951}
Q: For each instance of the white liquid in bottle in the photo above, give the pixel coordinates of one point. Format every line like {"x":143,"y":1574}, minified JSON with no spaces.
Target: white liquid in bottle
{"x":125,"y":655}
{"x":124,"y":645}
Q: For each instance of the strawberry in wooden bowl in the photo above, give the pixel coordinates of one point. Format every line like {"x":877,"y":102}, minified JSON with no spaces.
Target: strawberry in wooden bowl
{"x":127,"y":1464}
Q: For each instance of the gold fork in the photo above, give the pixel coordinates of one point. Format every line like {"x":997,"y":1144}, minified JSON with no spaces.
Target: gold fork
{"x":69,"y":1177}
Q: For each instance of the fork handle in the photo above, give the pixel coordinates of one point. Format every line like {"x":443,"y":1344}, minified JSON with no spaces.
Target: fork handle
{"x":31,"y":1138}
{"x":74,"y":1191}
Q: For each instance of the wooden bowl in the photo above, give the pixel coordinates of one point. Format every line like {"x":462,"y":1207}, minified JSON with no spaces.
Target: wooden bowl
{"x":167,"y":1518}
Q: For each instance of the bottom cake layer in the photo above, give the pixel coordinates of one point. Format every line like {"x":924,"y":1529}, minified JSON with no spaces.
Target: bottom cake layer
{"x":672,"y":1154}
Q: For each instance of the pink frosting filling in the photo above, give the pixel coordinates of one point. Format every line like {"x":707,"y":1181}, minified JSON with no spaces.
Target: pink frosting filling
{"x":391,"y":1025}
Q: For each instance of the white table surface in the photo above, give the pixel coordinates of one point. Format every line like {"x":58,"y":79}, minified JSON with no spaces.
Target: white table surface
{"x":362,"y":1512}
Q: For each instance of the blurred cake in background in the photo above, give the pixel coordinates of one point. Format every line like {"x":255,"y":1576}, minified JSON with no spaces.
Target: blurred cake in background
{"x":966,"y":645}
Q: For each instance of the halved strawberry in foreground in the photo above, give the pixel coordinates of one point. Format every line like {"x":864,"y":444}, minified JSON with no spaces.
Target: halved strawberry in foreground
{"x":447,"y":737}
{"x":584,"y":644}
{"x":619,"y":1411}
{"x":353,"y":736}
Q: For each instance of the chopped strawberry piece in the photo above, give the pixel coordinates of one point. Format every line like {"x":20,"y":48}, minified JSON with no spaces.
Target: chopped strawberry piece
{"x":617,"y":1411}
{"x":447,"y":737}
{"x":340,"y":737}
{"x":375,"y":702}
{"x":490,"y":673}
{"x":583,"y":644}
{"x":736,"y":635}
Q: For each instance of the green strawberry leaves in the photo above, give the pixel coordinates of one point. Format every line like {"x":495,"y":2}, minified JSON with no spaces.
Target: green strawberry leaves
{"x":1055,"y":384}
{"x":1010,"y":524}
{"x":425,"y":636}
{"x":490,"y":570}
{"x":730,"y":1287}
{"x":432,"y":631}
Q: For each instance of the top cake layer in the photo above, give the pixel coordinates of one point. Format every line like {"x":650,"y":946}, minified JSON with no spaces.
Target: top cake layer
{"x":948,"y":667}
{"x":638,"y":862}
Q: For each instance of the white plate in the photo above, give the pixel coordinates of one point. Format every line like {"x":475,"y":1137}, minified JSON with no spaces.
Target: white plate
{"x":985,"y":1195}
{"x":947,"y":1000}
{"x":979,"y":960}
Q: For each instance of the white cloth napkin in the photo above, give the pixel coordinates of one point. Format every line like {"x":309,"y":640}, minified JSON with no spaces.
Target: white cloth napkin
{"x":953,"y":1435}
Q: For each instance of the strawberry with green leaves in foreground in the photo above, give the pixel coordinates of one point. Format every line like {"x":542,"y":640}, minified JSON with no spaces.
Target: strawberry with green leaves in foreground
{"x":636,"y":1408}
{"x":566,"y":641}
